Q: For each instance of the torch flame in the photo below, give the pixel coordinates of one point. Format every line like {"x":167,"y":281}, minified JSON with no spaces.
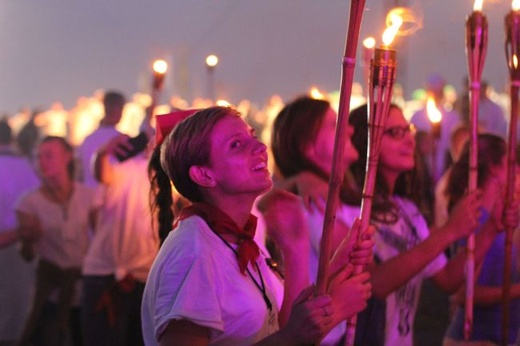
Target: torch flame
{"x":391,"y":31}
{"x":223,"y":103}
{"x":478,"y":5}
{"x":160,"y":66}
{"x":434,"y":114}
{"x":369,"y":42}
{"x":515,"y":61}
{"x":515,"y":5}
{"x":401,"y":21}
{"x":316,"y":94}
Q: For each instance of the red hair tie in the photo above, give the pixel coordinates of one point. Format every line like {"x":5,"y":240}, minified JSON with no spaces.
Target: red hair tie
{"x":166,"y":122}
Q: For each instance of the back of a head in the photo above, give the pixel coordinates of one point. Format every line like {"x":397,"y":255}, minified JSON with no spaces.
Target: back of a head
{"x":294,"y":129}
{"x":113,"y":102}
{"x":188,"y":145}
{"x":6,"y":134}
{"x":358,"y":119}
{"x":435,"y":83}
{"x":27,"y":138}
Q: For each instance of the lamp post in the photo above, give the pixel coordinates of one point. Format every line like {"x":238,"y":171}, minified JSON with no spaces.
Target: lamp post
{"x":211,"y":62}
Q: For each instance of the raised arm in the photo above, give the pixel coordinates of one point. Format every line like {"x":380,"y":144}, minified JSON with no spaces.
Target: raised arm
{"x":103,"y":171}
{"x":287,"y":227}
{"x":395,"y":272}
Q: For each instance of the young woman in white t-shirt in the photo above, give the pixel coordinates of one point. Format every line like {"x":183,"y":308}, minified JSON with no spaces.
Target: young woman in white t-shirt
{"x":197,"y":292}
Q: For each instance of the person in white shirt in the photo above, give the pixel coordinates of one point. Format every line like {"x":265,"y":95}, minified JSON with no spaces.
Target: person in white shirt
{"x":113,"y":103}
{"x":210,"y":283}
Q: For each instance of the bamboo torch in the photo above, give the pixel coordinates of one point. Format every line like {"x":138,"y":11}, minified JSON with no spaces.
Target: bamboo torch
{"x":337,"y":171}
{"x":435,"y":117}
{"x":380,"y":85}
{"x":476,"y":45}
{"x":368,"y":52}
{"x":512,"y":27}
{"x":159,"y":72}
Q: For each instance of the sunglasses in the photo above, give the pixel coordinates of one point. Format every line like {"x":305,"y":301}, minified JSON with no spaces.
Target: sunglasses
{"x":398,"y":132}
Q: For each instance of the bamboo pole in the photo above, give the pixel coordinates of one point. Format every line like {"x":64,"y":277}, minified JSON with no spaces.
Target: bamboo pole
{"x":512,"y":26}
{"x":337,"y":172}
{"x":381,"y":81}
{"x":476,"y":46}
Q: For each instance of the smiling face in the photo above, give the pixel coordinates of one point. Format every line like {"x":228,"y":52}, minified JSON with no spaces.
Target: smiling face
{"x":238,"y":161}
{"x":321,"y":151}
{"x":397,"y":153}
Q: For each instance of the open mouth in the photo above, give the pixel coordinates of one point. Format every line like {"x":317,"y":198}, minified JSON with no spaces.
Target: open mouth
{"x":259,"y":167}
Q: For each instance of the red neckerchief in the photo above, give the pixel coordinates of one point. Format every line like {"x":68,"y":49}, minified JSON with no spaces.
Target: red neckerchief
{"x":221,"y":223}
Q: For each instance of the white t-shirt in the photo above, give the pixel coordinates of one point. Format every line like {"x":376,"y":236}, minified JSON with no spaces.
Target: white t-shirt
{"x":196,"y":277}
{"x":91,"y":144}
{"x":124,"y":241}
{"x":64,"y":240}
{"x":346,"y":215}
{"x":391,"y":240}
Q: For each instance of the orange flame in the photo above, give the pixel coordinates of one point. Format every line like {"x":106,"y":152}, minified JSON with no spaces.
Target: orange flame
{"x":315,"y":93}
{"x":478,"y":5}
{"x":160,"y":66}
{"x":434,"y":114}
{"x":393,"y":28}
{"x":515,"y":5}
{"x":401,"y":21}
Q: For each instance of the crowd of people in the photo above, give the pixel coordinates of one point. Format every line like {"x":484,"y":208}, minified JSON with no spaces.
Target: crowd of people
{"x":204,"y":227}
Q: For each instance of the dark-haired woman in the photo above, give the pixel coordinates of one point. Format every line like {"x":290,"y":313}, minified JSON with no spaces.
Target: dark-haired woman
{"x":302,"y":145}
{"x":405,"y":250}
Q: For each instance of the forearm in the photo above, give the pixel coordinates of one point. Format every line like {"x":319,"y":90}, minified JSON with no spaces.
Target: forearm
{"x":451,"y":277}
{"x":102,"y":167}
{"x":486,"y":296}
{"x":296,"y":278}
{"x":388,"y":276}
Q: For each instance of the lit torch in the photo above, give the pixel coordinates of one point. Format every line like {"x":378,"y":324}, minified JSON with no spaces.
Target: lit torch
{"x":381,"y":81}
{"x":211,"y":62}
{"x":435,"y":116}
{"x":368,"y":52}
{"x":476,"y":46}
{"x":512,"y":27}
{"x":159,"y":72}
